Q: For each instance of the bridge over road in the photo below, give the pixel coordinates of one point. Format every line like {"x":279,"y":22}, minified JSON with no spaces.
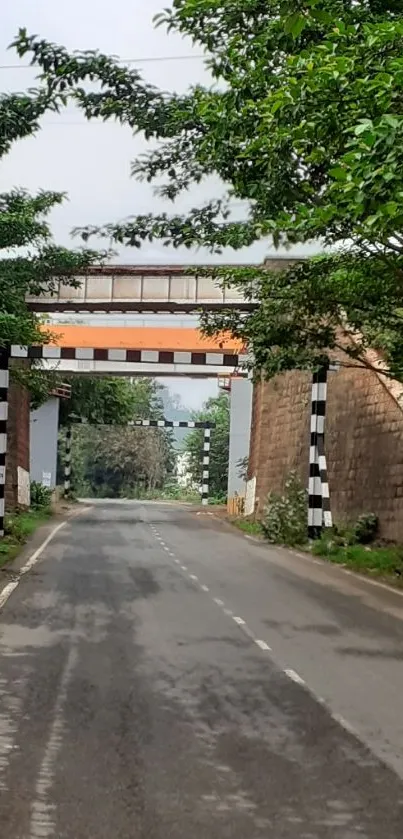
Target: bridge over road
{"x":138,"y":351}
{"x":147,"y":288}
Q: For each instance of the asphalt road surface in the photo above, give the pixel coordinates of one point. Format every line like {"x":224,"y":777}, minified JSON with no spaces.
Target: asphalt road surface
{"x":163,"y":677}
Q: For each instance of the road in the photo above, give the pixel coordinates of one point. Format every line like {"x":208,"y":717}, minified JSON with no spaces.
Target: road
{"x":162,"y":677}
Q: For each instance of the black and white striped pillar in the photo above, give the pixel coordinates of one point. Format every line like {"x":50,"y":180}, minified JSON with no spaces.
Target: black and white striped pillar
{"x":4,"y":375}
{"x":67,"y":461}
{"x":206,"y":466}
{"x":324,"y":479}
{"x":319,"y":512}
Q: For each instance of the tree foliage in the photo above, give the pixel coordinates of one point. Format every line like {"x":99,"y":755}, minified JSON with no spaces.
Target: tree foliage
{"x":112,"y":461}
{"x":216,"y":410}
{"x":30,"y":262}
{"x":113,"y":458}
{"x":303,"y":122}
{"x":110,"y":400}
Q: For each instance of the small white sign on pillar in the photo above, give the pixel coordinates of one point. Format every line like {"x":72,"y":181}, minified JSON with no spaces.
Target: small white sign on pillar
{"x":250,"y":497}
{"x":46,"y":479}
{"x":24,"y":488}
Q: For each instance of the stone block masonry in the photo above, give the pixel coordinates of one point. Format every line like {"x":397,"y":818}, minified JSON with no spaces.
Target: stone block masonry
{"x":363,"y":443}
{"x":17,"y":462}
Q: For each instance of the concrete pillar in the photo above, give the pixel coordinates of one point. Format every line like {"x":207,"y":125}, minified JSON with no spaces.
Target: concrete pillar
{"x":240,"y":429}
{"x":44,"y":427}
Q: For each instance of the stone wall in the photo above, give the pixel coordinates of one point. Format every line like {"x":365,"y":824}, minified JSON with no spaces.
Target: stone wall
{"x":364,"y":443}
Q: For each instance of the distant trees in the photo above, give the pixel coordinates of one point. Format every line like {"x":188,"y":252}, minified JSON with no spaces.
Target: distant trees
{"x":110,"y":458}
{"x":111,"y":400}
{"x":121,"y":461}
{"x":217,"y":410}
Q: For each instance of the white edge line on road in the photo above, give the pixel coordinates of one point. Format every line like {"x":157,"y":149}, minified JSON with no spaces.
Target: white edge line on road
{"x":33,"y":559}
{"x":184,"y":567}
{"x":35,"y":556}
{"x":205,"y":588}
{"x":295,"y":677}
{"x":263,"y":645}
{"x":239,"y":621}
{"x":345,"y":724}
{"x":193,"y":577}
{"x":7,"y":591}
{"x":360,"y":577}
{"x":218,"y":601}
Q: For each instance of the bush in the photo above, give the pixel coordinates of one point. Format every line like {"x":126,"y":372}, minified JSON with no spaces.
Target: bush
{"x":342,"y":535}
{"x":366,"y":528}
{"x":41,"y":496}
{"x":285,"y":516}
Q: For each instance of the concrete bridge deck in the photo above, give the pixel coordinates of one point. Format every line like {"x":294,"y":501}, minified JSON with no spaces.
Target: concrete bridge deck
{"x":147,"y":288}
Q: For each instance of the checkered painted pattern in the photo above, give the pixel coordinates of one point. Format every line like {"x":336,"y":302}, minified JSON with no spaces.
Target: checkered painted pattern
{"x":319,"y":512}
{"x":49,"y":353}
{"x":150,"y":423}
{"x":4,"y":375}
{"x":67,"y":461}
{"x":147,"y":423}
{"x":206,"y":466}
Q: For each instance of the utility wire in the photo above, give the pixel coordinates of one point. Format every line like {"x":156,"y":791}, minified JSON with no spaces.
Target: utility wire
{"x":145,"y":60}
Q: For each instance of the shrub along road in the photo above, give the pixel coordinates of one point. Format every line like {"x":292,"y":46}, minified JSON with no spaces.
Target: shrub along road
{"x":161,"y":676}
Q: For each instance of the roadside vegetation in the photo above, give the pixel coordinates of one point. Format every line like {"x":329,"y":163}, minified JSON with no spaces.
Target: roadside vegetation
{"x":113,"y":459}
{"x":21,"y":525}
{"x":354,"y":545}
{"x":303,"y":124}
{"x":251,"y":528}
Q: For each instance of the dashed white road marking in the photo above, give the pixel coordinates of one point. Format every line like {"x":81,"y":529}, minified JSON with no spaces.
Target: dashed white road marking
{"x":40,"y":816}
{"x":262,"y":645}
{"x":41,"y":823}
{"x":294,"y":676}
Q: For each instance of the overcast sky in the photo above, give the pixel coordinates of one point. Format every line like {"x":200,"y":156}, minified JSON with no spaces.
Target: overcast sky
{"x":90,"y":160}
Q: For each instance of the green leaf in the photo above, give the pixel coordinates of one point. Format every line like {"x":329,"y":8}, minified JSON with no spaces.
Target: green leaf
{"x":295,"y":24}
{"x":339,"y":173}
{"x":321,"y":15}
{"x":362,"y":126}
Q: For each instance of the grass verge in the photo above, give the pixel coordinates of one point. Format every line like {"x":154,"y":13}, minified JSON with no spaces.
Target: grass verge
{"x":375,"y":561}
{"x":19,"y":528}
{"x":252,"y":528}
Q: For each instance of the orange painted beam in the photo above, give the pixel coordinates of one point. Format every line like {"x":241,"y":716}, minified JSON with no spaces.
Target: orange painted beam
{"x":141,"y":337}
